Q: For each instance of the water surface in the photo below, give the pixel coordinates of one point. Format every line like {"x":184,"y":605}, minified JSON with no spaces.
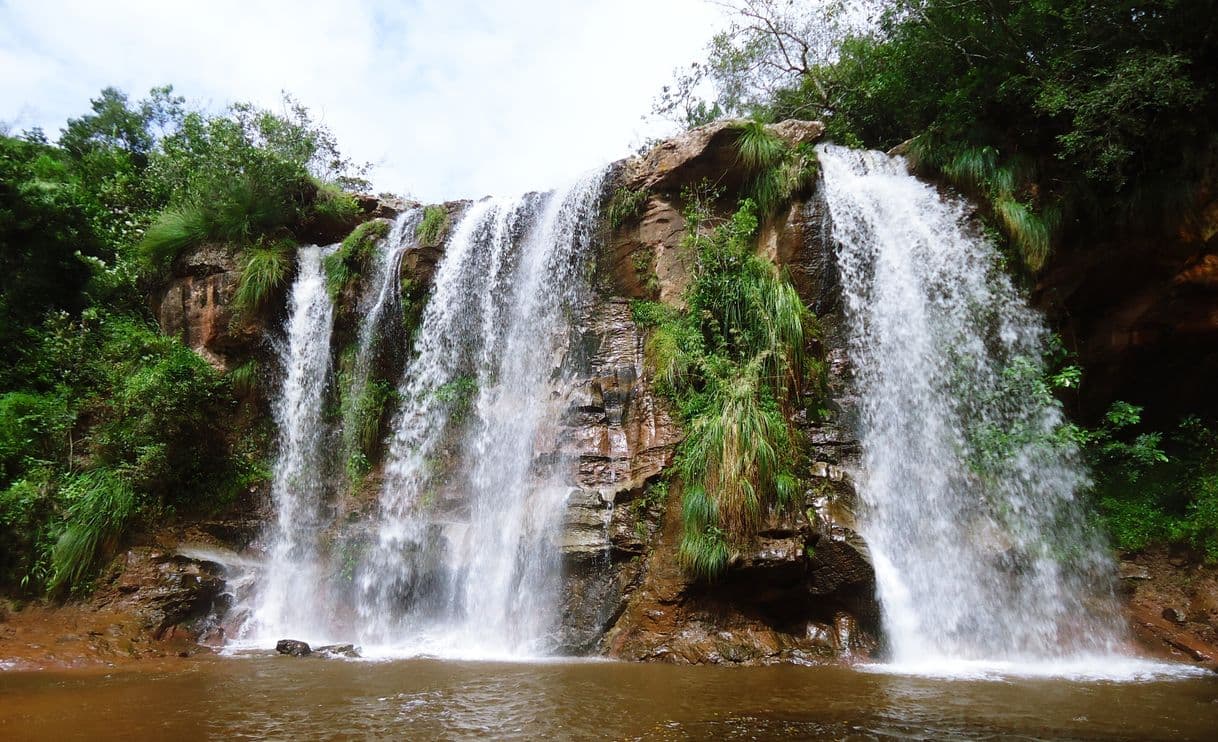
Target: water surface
{"x":288,"y":698}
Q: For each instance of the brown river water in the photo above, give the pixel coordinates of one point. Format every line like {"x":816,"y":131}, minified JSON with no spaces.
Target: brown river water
{"x":263,"y":697}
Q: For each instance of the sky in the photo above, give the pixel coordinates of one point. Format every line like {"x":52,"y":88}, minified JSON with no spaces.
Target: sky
{"x":446,"y":98}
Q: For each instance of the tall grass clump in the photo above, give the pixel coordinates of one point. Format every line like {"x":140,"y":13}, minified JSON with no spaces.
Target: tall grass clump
{"x":332,"y":203}
{"x":173,"y":231}
{"x":1005,"y":185}
{"x":264,"y":270}
{"x":347,"y":262}
{"x":432,"y":227}
{"x":733,"y":363}
{"x":244,"y":378}
{"x":777,"y":171}
{"x":100,"y":505}
{"x":625,"y":204}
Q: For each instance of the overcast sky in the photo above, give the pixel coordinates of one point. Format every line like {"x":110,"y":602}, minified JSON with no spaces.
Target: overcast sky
{"x":448,"y":98}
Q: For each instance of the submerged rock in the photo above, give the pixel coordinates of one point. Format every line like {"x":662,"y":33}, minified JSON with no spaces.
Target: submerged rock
{"x":293,"y":648}
{"x":338,"y":650}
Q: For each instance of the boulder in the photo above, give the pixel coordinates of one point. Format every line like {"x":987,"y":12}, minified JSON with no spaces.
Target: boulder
{"x":166,"y":592}
{"x":293,"y":648}
{"x":706,"y":152}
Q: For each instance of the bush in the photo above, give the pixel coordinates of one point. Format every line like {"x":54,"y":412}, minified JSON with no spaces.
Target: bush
{"x":351,"y":258}
{"x":27,"y":531}
{"x":34,"y":431}
{"x":433,"y":227}
{"x":100,"y":504}
{"x":732,"y":362}
{"x":1154,"y":489}
{"x":265,"y":269}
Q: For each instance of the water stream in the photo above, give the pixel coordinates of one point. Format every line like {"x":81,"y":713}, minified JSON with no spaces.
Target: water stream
{"x":465,"y":561}
{"x":286,"y":599}
{"x":969,"y":492}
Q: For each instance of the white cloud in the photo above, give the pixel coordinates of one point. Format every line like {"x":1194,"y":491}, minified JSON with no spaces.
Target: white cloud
{"x":449,"y":98}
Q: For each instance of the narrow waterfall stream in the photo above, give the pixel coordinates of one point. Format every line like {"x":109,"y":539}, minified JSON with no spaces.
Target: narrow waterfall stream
{"x":969,"y":500}
{"x":293,"y":597}
{"x":465,"y":562}
{"x":286,"y":599}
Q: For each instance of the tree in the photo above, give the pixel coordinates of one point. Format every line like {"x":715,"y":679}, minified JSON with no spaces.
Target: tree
{"x":768,"y":47}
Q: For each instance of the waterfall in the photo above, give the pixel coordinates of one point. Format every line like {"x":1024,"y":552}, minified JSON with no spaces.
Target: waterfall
{"x":293,"y":595}
{"x":969,"y":494}
{"x":464,"y":561}
{"x":380,"y":302}
{"x":287,"y":601}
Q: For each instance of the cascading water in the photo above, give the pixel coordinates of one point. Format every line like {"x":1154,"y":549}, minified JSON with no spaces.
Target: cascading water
{"x":968,"y":495}
{"x":380,"y":303}
{"x":464,"y":561}
{"x":292,"y":594}
{"x":286,"y":600}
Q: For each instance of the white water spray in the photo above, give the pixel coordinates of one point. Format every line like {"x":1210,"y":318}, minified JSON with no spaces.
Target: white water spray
{"x":465,"y":561}
{"x":287,"y":600}
{"x":968,"y":493}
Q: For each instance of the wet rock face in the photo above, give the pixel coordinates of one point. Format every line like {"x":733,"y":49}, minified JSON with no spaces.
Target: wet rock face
{"x":170,"y":595}
{"x":621,"y":437}
{"x":1142,"y":314}
{"x":803,"y":591}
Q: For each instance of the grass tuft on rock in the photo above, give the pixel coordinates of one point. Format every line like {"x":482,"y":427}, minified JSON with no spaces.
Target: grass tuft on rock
{"x":433,"y":227}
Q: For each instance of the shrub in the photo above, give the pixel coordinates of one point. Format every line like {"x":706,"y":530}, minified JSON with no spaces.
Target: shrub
{"x":33,"y":431}
{"x":433,"y":227}
{"x":264,"y":270}
{"x":100,"y":504}
{"x":347,"y":262}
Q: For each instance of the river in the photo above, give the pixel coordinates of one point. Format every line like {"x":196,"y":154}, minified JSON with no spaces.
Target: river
{"x":271,"y":697}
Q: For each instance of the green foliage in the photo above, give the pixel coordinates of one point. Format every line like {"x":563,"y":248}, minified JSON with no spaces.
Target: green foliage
{"x":626,"y":205}
{"x":732,"y":362}
{"x":104,"y":421}
{"x":265,"y":269}
{"x":457,"y":395}
{"x":174,"y":231}
{"x":244,"y":378}
{"x":334,"y":204}
{"x":641,"y":508}
{"x":1070,"y":119}
{"x":414,"y":301}
{"x":778,"y":172}
{"x":1155,"y":489}
{"x":346,"y":263}
{"x":100,"y":505}
{"x":433,"y":226}
{"x":28,"y":531}
{"x":363,"y":414}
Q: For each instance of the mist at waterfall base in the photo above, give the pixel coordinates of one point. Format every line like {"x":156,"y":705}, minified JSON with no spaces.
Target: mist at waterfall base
{"x":969,"y":499}
{"x":463,"y":559}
